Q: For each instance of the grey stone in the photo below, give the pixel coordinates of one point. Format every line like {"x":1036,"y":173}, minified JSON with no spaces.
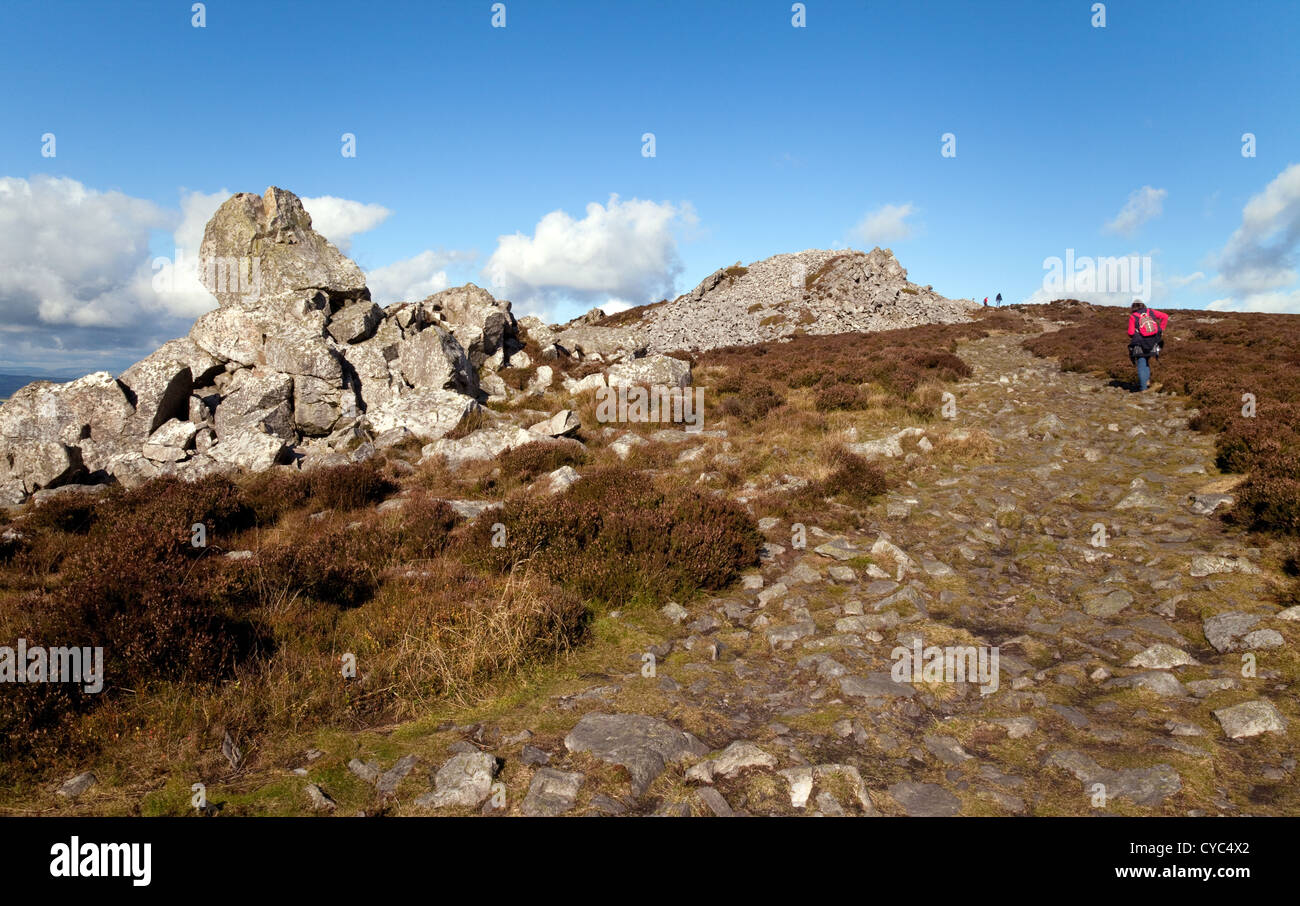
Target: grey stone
{"x":1145,"y":786}
{"x":1250,"y":719}
{"x":643,"y":745}
{"x":925,"y":800}
{"x":551,"y":792}
{"x":75,"y":786}
{"x":1224,"y":631}
{"x":319,"y":799}
{"x":388,"y":781}
{"x":464,"y":780}
{"x":1162,"y":656}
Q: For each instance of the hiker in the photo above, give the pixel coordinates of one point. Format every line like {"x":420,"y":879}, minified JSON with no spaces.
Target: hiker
{"x":1146,"y":331}
{"x":986,"y":301}
{"x":998,"y":301}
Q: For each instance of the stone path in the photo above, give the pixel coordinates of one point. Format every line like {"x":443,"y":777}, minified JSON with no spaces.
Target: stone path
{"x":1142,"y":667}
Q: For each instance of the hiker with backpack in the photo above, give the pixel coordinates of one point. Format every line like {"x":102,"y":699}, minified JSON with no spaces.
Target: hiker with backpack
{"x":1146,"y":331}
{"x":997,"y":303}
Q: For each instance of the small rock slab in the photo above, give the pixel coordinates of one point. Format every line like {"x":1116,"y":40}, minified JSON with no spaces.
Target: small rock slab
{"x":389,"y":780}
{"x":875,"y":685}
{"x":838,"y":549}
{"x":925,"y":800}
{"x":1211,"y":566}
{"x":1106,"y":603}
{"x":1250,"y":719}
{"x":465,"y":779}
{"x":735,"y":758}
{"x":1145,"y":786}
{"x":75,"y":786}
{"x":1162,"y":656}
{"x":551,"y":793}
{"x":319,"y":799}
{"x":1226,"y":630}
{"x":642,"y":744}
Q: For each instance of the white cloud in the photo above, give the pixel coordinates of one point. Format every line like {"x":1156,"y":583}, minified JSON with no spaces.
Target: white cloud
{"x":1143,"y":204}
{"x":1276,"y":302}
{"x":1261,"y":254}
{"x":339,"y":219}
{"x":175,"y":281}
{"x":70,"y":255}
{"x":623,"y":250}
{"x":886,"y":224}
{"x":1178,"y":282}
{"x":412,"y":278}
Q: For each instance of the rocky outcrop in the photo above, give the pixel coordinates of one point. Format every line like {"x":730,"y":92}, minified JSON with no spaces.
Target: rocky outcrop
{"x":295,"y":360}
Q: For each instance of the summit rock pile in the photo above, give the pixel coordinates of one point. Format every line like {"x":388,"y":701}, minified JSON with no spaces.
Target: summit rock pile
{"x":815,"y":292}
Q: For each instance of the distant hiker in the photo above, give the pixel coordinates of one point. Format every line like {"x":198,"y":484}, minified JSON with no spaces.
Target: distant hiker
{"x":998,"y":300}
{"x":986,"y":301}
{"x":1146,"y":331}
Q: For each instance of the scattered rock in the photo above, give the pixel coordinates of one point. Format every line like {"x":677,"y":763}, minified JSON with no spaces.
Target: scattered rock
{"x":1250,"y":719}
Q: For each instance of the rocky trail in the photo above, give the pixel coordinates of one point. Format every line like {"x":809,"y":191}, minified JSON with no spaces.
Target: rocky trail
{"x":1143,"y":668}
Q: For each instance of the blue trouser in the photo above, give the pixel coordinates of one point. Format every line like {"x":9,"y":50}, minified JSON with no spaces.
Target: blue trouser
{"x":1144,"y":373}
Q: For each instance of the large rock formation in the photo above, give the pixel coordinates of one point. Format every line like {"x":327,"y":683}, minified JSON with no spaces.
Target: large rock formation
{"x":295,"y":362}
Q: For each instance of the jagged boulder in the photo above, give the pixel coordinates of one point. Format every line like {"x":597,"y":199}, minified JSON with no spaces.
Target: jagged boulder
{"x":425,"y":413}
{"x":486,"y":443}
{"x":560,"y":424}
{"x":537,"y":330}
{"x":377,"y":376}
{"x":251,"y":451}
{"x":303,"y":349}
{"x":318,"y":405}
{"x":607,"y":342}
{"x":53,"y":433}
{"x":160,"y":384}
{"x":482,"y":323}
{"x":258,"y":400}
{"x":433,"y":360}
{"x":659,"y":370}
{"x":356,"y":322}
{"x":259,"y":248}
{"x":171,"y":442}
{"x":230,"y":335}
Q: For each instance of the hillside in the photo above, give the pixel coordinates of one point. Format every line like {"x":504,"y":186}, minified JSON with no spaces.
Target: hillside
{"x":701,"y":623}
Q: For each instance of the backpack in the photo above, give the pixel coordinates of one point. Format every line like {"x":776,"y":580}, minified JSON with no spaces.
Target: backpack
{"x":1146,"y":324}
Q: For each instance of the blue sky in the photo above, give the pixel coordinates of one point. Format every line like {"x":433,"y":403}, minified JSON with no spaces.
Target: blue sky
{"x":769,"y":138}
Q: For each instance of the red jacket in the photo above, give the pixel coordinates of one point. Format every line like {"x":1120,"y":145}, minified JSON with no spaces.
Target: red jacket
{"x":1160,"y":317}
